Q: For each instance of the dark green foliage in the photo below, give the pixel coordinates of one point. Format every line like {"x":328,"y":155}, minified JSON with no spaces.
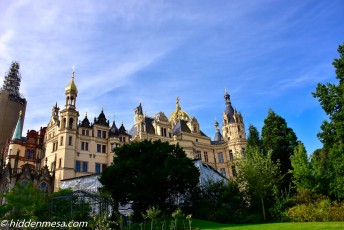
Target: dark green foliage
{"x":149,"y":174}
{"x":219,"y":202}
{"x":279,"y":140}
{"x":331,"y":98}
{"x":24,"y":202}
{"x":64,"y":207}
{"x":253,"y":138}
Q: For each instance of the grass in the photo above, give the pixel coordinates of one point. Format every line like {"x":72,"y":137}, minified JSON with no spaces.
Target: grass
{"x":202,"y":224}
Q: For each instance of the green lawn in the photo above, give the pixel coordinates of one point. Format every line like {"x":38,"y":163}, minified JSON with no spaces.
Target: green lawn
{"x":201,"y":224}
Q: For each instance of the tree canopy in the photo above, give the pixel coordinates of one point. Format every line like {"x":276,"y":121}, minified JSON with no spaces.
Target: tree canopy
{"x":331,"y":98}
{"x":279,"y":140}
{"x":149,"y":173}
{"x":259,"y":174}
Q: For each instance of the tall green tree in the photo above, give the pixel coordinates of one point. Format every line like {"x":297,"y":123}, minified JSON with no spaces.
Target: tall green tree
{"x":253,"y":138}
{"x":258,"y":175}
{"x":302,"y":174}
{"x":331,"y":98}
{"x":149,"y":174}
{"x":279,"y":140}
{"x":320,"y":164}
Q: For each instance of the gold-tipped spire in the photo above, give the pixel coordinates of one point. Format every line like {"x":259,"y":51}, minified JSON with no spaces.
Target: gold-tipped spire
{"x":71,"y":85}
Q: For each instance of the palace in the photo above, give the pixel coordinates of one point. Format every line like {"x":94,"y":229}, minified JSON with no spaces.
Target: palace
{"x":72,"y":148}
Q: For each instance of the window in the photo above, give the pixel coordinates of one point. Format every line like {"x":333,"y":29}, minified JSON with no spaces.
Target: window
{"x":84,"y":145}
{"x":196,"y":140}
{"x":243,"y":152}
{"x":234,"y":171}
{"x":83,"y":132}
{"x":87,"y":132}
{"x":29,"y":154}
{"x":71,"y":123}
{"x":220,"y":157}
{"x":99,"y":133}
{"x":123,"y":139}
{"x":104,"y":134}
{"x":77,"y":166}
{"x":231,"y":157}
{"x":239,"y":128}
{"x":100,"y":167}
{"x":98,"y":148}
{"x":97,"y":168}
{"x":61,"y":141}
{"x":84,"y":166}
{"x":60,"y":162}
{"x":103,"y":167}
{"x":53,"y":147}
{"x":103,"y":148}
{"x":223,"y":171}
{"x":43,"y":187}
{"x":205,"y":156}
{"x":198,"y":155}
{"x":70,"y":140}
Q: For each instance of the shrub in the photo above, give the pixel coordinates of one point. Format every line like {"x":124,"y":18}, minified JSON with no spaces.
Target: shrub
{"x":321,"y":210}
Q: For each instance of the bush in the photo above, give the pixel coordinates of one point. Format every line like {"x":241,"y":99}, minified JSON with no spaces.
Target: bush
{"x":321,"y":210}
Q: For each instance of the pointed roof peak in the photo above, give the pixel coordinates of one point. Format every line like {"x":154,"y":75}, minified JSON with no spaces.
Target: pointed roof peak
{"x":71,"y":87}
{"x":17,"y":135}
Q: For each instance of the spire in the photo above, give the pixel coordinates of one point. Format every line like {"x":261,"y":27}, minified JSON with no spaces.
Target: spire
{"x":71,"y":87}
{"x":218,"y":135}
{"x":227,"y":97}
{"x":18,"y":131}
{"x":138,"y":109}
{"x":177,"y":104}
{"x":229,"y":111}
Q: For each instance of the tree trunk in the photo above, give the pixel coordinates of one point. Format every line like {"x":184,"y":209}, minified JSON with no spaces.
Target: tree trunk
{"x":263,"y":208}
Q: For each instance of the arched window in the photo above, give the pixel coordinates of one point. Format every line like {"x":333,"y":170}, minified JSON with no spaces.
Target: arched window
{"x":64,"y":123}
{"x":43,"y":186}
{"x":71,"y":120}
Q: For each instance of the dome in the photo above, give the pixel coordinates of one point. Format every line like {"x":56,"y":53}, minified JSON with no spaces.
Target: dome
{"x":179,"y":114}
{"x":71,"y":87}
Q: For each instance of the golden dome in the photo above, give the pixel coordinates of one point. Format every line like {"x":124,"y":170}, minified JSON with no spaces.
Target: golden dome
{"x":71,"y":87}
{"x":179,"y":114}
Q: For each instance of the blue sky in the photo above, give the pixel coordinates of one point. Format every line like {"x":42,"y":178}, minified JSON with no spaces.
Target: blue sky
{"x":266,"y":53}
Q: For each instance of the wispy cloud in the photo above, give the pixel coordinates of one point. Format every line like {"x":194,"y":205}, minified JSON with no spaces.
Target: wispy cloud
{"x":153,"y":51}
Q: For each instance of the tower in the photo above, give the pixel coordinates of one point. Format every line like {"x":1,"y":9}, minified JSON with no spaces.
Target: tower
{"x":233,"y":130}
{"x":11,"y":103}
{"x":61,"y":135}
